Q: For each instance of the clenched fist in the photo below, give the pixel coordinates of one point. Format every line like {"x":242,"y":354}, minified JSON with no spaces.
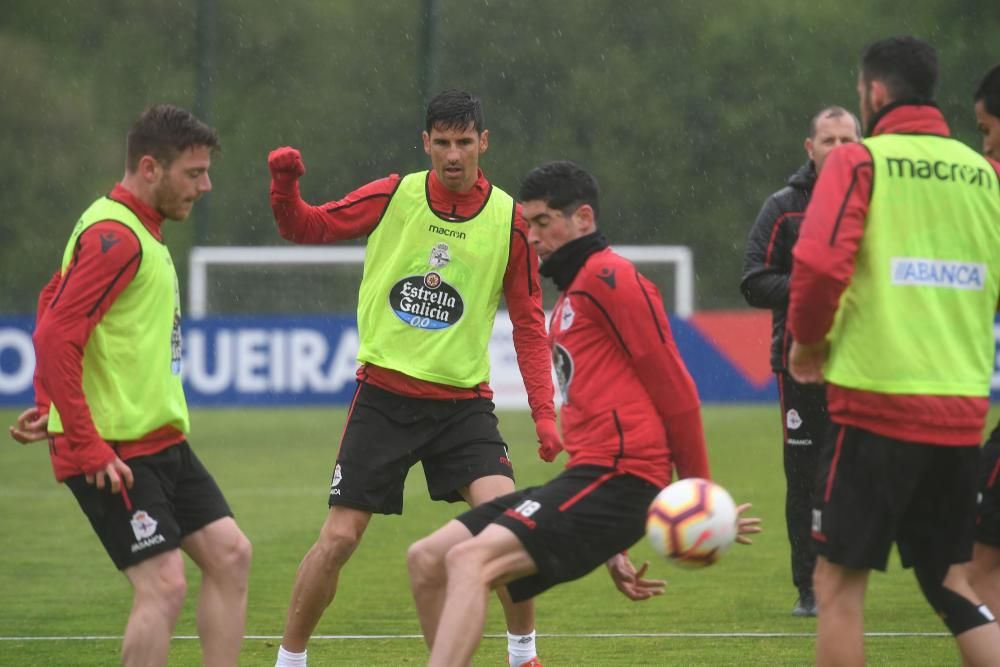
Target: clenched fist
{"x":286,"y":165}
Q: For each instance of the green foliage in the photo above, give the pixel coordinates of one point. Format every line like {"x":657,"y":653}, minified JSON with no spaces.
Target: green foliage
{"x":274,"y":467}
{"x":689,"y":113}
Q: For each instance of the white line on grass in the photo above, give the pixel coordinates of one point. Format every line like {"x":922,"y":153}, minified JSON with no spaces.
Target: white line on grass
{"x":598,"y":635}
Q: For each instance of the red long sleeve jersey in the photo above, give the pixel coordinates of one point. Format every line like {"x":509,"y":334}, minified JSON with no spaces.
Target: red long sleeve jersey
{"x":357,"y":215}
{"x":825,"y":257}
{"x":105,"y":261}
{"x":629,"y":402}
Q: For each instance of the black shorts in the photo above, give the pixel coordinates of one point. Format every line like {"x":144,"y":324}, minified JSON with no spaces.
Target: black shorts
{"x":570,"y":525}
{"x":988,"y":520}
{"x":872,"y":491}
{"x":804,"y":419}
{"x":457,"y":442}
{"x":173,"y":495}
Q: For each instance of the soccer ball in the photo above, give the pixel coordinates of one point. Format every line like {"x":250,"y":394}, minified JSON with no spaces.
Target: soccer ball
{"x":692,"y":522}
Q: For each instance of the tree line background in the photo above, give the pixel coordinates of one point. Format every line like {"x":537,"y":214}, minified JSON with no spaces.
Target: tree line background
{"x":689,"y":113}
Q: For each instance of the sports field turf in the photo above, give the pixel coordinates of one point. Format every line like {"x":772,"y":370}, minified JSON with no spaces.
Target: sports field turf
{"x":57,"y":585}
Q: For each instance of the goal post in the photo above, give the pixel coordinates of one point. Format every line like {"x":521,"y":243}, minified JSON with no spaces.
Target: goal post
{"x":203,"y":258}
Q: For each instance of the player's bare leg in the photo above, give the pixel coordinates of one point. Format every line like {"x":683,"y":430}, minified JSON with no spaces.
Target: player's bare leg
{"x":158,"y":589}
{"x":520,"y":616}
{"x":984,"y":575}
{"x":222,"y":552}
{"x":316,"y":579}
{"x":980,"y":646}
{"x":840,"y":597}
{"x":428,"y":576}
{"x":473,"y":567}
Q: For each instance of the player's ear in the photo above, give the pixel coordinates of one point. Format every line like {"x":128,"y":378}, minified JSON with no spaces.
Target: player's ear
{"x":585,"y":218}
{"x":484,"y":141}
{"x":808,"y":145}
{"x":427,"y":142}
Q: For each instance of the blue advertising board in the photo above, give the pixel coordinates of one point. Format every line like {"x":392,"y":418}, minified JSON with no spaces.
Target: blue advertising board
{"x":311,"y":360}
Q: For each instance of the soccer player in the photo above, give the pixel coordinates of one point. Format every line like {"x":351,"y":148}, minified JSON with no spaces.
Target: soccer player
{"x":767,"y":269}
{"x":443,"y":246}
{"x":630,"y":415}
{"x":984,"y":573}
{"x":894,"y":290}
{"x":108,"y":390}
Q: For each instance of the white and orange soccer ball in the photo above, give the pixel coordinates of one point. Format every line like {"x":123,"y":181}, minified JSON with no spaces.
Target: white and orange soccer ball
{"x":692,"y":522}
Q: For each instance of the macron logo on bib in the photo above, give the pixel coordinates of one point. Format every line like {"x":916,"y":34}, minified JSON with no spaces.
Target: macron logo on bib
{"x":938,"y":273}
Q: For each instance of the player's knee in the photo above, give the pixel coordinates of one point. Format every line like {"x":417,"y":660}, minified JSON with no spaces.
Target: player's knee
{"x":336,"y":543}
{"x":424,"y":562}
{"x":237,"y":557}
{"x":465,"y":560}
{"x":959,"y":613}
{"x":162,"y":590}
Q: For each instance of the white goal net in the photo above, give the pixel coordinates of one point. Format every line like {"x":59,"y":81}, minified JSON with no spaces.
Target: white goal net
{"x":325,"y":279}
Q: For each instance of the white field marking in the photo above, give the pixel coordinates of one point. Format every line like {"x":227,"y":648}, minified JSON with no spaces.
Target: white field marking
{"x":597,"y":635}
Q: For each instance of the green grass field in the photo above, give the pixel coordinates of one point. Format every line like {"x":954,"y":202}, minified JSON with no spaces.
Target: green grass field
{"x":274,"y":466}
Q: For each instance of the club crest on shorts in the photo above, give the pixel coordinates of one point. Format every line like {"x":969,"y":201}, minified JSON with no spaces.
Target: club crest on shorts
{"x":426,"y":302}
{"x":143,"y":525}
{"x":792,"y":419}
{"x":337,"y":476}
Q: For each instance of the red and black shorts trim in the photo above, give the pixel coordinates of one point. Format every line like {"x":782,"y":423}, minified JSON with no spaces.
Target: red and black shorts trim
{"x":570,"y":525}
{"x":173,"y":495}
{"x":873,"y":491}
{"x":988,"y":519}
{"x":457,"y":442}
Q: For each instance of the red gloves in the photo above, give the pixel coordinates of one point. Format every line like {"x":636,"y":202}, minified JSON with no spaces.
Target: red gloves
{"x":286,"y":167}
{"x":550,"y":442}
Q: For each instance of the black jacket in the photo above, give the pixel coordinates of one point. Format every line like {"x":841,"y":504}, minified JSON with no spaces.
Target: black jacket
{"x":767,"y":263}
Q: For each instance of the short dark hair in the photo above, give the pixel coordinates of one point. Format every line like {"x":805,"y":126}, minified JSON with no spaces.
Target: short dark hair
{"x":989,"y":92}
{"x":906,"y":65}
{"x":832,"y":112}
{"x":562,"y":185}
{"x":164,"y":131}
{"x":454,"y":110}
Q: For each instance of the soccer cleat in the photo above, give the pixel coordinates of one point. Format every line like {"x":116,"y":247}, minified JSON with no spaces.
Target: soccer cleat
{"x":534,"y":662}
{"x":805,"y":606}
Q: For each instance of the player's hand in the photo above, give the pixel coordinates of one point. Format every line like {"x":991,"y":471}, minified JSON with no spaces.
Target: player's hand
{"x":805,"y":362}
{"x":550,"y":442}
{"x":30,"y":426}
{"x":286,"y":165}
{"x":746,"y":526}
{"x":114,"y":474}
{"x":630,"y":581}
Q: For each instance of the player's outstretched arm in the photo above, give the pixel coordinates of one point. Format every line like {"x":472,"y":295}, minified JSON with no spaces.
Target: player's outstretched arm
{"x":630,"y":581}
{"x":31,"y":426}
{"x":746,"y":526}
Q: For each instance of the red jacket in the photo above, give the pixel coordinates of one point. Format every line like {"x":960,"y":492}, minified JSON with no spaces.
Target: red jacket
{"x":105,"y":261}
{"x":357,"y":215}
{"x":629,"y":401}
{"x":824,"y":262}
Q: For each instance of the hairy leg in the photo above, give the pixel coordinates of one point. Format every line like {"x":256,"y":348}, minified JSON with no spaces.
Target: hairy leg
{"x":158,"y":589}
{"x":318,"y":574}
{"x":222,"y":552}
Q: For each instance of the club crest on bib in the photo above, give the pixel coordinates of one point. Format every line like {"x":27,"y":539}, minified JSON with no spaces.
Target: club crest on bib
{"x":427,"y":301}
{"x":439,"y":256}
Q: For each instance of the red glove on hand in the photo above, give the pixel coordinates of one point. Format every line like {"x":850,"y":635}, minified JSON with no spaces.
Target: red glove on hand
{"x":286,"y":166}
{"x":549,"y":439}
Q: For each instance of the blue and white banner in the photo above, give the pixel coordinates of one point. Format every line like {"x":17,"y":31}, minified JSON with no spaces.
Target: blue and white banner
{"x":311,"y":360}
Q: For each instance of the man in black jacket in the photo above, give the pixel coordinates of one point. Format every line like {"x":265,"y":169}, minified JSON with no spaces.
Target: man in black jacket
{"x":767,"y":267}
